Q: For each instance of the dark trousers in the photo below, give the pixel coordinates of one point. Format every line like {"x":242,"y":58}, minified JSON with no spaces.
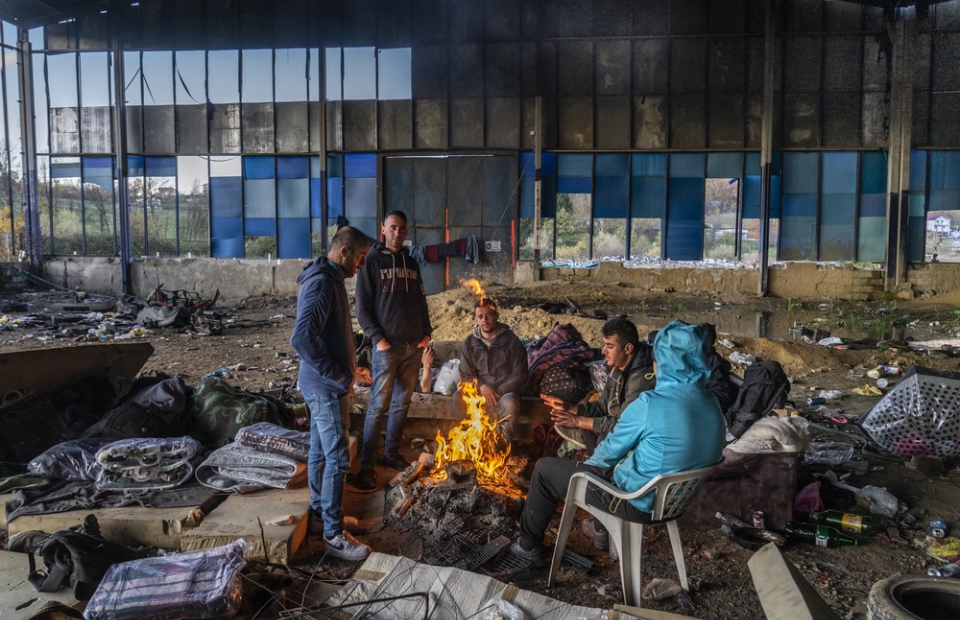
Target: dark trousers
{"x":548,"y":488}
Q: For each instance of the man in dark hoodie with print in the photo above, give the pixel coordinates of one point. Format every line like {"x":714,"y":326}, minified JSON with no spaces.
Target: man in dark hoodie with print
{"x":323,"y":337}
{"x":392,"y":311}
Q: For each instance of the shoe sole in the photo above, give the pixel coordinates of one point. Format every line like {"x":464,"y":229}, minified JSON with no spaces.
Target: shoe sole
{"x":580,"y":445}
{"x":340,"y":555}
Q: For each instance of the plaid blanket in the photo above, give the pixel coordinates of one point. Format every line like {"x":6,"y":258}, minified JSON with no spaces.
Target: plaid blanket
{"x":267,"y":437}
{"x":563,"y":347}
{"x":195,"y":584}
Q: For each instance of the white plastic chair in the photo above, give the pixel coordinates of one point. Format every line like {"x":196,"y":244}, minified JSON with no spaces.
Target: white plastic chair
{"x":673,"y":493}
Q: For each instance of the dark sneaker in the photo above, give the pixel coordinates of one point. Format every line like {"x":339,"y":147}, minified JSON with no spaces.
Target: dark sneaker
{"x":346,"y":547}
{"x":573,"y":435}
{"x":393,"y":462}
{"x":366,"y":480}
{"x":534,"y":556}
{"x":27,"y":542}
{"x":596,"y":532}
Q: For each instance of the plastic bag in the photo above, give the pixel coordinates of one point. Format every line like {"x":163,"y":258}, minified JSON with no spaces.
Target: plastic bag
{"x":831,"y":394}
{"x":743,"y":358}
{"x":196,"y":584}
{"x":448,"y":378}
{"x":659,"y":589}
{"x":881,"y":501}
{"x":808,"y":499}
{"x":71,"y":460}
{"x":598,"y":374}
{"x":828,"y":452}
{"x":499,"y":609}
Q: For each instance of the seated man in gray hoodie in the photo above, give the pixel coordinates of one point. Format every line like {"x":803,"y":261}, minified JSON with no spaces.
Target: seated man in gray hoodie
{"x":494,"y":356}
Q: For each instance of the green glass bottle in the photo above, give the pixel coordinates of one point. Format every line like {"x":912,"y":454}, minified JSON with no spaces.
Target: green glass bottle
{"x":846,"y":522}
{"x":819,"y":535}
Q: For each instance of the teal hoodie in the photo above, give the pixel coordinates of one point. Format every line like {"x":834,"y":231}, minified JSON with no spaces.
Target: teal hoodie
{"x":675,"y":427}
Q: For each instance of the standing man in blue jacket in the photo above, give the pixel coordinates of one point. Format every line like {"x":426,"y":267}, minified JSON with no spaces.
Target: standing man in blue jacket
{"x":674,"y":427}
{"x":392,"y":311}
{"x":323,"y":337}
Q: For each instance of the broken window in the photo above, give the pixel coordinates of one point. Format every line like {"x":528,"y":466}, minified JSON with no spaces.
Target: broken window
{"x":132,"y":88}
{"x":720,"y":230}
{"x":160,"y":186}
{"x":158,"y":78}
{"x":99,"y":213}
{"x":190,"y":73}
{"x":67,"y":205}
{"x":291,"y":75}
{"x":41,"y":121}
{"x":193,"y":193}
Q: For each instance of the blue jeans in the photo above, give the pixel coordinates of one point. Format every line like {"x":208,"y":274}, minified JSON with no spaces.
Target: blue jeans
{"x":328,"y":462}
{"x":394,"y":377}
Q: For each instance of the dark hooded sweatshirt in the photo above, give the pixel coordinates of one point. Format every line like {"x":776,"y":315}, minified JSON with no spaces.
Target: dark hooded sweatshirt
{"x":323,"y":332}
{"x":391,"y":302}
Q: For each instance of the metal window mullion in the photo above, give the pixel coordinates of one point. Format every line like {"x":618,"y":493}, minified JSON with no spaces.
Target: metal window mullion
{"x":856,"y":209}
{"x":629,"y":230}
{"x":703,"y":217}
{"x":83,"y":202}
{"x":593,"y":175}
{"x":5,"y":154}
{"x":816,"y":229}
{"x":666,"y":208}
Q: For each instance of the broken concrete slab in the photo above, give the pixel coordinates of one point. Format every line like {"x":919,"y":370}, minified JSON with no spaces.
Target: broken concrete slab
{"x":784,"y":593}
{"x":134,"y":526}
{"x":18,"y":598}
{"x":47,"y":370}
{"x":280,"y":511}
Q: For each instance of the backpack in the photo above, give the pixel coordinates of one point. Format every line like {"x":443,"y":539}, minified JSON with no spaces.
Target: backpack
{"x":77,"y":559}
{"x":765,"y":387}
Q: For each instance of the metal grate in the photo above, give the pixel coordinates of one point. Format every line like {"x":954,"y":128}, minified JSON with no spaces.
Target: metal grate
{"x":505,"y":567}
{"x":920,"y":415}
{"x":477,"y":557}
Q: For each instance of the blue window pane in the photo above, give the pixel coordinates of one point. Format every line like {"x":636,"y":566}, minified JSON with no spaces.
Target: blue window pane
{"x":799,"y":173}
{"x":575,"y":165}
{"x":838,"y":209}
{"x":797,"y":237}
{"x":573,"y":185}
{"x":649,"y":197}
{"x":65,"y":169}
{"x":611,"y":196}
{"x":686,"y":199}
{"x":293,"y":168}
{"x":135,"y":166}
{"x":918,"y":171}
{"x":360,"y":197}
{"x":527,"y":196}
{"x":873,"y":205}
{"x":226,"y":197}
{"x":753,"y":163}
{"x":335,"y":165}
{"x":839,"y":173}
{"x":359,"y":166}
{"x":259,"y":226}
{"x":548,"y":164}
{"x":800,"y":205}
{"x":161,"y":166}
{"x":873,"y":173}
{"x":226,"y":237}
{"x":613,"y":165}
{"x":259,"y":167}
{"x":334,"y":197}
{"x":751,"y":196}
{"x":293,"y":198}
{"x":649,"y":164}
{"x":294,"y":238}
{"x":725,"y":165}
{"x":315,"y":199}
{"x":872,"y":238}
{"x":528,"y":164}
{"x":687,"y":165}
{"x":259,"y":198}
{"x":315,"y":167}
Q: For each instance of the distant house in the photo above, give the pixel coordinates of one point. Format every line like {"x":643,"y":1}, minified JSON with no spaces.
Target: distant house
{"x":938,"y":223}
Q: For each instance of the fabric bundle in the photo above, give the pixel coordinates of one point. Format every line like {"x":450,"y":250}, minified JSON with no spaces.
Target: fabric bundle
{"x":267,"y":437}
{"x":146,"y":464}
{"x":242,"y":470}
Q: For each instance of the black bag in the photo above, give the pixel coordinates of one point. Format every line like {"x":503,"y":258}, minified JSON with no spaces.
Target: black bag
{"x":77,"y":559}
{"x":765,"y":388}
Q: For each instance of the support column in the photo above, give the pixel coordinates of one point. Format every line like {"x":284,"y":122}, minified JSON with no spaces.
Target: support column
{"x":766,"y":148}
{"x":537,"y":187}
{"x":28,"y":155}
{"x":903,"y":35}
{"x":322,"y":152}
{"x":120,"y":148}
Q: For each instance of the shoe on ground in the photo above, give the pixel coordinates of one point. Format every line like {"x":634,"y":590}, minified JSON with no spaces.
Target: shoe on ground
{"x":366,"y":480}
{"x":346,"y":547}
{"x":573,"y":435}
{"x":534,"y":556}
{"x":597,"y":533}
{"x":394,"y":462}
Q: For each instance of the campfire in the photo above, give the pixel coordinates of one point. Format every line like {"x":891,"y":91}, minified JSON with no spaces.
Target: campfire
{"x":475,"y":439}
{"x":474,"y":286}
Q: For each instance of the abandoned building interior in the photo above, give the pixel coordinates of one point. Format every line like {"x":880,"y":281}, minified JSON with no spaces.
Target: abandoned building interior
{"x":594,"y":182}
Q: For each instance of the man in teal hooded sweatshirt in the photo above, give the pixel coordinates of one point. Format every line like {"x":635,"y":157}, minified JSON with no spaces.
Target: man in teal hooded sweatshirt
{"x":675,"y":427}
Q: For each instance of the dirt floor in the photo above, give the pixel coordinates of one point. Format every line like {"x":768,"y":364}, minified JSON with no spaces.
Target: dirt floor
{"x":721,"y":586}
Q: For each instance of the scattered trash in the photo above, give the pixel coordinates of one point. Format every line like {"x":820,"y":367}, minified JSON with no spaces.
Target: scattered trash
{"x":867,"y":390}
{"x":223,"y":373}
{"x":829,"y":342}
{"x":731,"y":521}
{"x":726,"y":342}
{"x":744,"y":359}
{"x":938,"y":529}
{"x":847,"y":522}
{"x":948,"y":570}
{"x":659,"y":589}
{"x":499,"y":609}
{"x":819,"y":535}
{"x":881,"y":501}
{"x":831,"y":394}
{"x":753,"y":538}
{"x":808,"y":499}
{"x":828,"y":453}
{"x":944,"y":548}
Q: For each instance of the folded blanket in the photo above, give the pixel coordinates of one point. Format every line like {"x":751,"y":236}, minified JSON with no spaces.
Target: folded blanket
{"x":241,"y":470}
{"x":267,"y":437}
{"x":146,"y":463}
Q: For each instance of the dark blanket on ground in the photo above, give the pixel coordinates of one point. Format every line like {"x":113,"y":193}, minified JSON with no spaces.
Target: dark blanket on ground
{"x":64,"y":496}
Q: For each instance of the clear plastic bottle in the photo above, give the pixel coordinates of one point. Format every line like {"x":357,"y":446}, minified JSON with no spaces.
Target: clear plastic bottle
{"x":731,"y":521}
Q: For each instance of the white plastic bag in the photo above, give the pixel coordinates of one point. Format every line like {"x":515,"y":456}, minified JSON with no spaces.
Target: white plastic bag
{"x":448,"y":378}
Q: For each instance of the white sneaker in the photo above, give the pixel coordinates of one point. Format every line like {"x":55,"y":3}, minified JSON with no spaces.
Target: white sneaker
{"x":346,"y":547}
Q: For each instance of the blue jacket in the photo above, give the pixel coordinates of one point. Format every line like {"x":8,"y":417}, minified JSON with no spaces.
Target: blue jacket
{"x":674,"y":427}
{"x":323,"y":332}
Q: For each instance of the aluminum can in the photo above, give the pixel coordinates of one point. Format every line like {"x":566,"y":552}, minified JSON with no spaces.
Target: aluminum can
{"x":759,"y":521}
{"x":816,"y":400}
{"x":938,"y":529}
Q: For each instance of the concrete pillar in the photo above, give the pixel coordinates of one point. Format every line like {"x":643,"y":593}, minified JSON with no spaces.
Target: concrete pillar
{"x":766,"y":146}
{"x":120,"y":148}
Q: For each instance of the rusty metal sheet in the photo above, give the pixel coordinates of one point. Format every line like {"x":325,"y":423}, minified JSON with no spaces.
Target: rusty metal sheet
{"x":158,"y":129}
{"x":841,"y":64}
{"x":841,"y":118}
{"x":258,"y":130}
{"x":687,"y":121}
{"x":466,"y":122}
{"x":576,"y":63}
{"x":575,"y":122}
{"x":334,"y":125}
{"x":801,"y":120}
{"x":688,"y":66}
{"x":650,"y":122}
{"x":725,"y":121}
{"x":95,"y":129}
{"x":613,"y":122}
{"x":64,"y":130}
{"x":431,"y":123}
{"x":292,"y":127}
{"x":191,"y":129}
{"x":502,"y":122}
{"x":726,"y":59}
{"x":801,"y":64}
{"x":465,"y":190}
{"x":875,"y":121}
{"x":613,"y":68}
{"x":46,"y":370}
{"x":225,"y":128}
{"x":360,"y":125}
{"x":944,"y":124}
{"x":395,"y":121}
{"x":501,"y":67}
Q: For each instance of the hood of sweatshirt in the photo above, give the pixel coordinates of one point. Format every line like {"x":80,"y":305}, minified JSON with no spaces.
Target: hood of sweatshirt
{"x":318,"y":266}
{"x":678,"y":350}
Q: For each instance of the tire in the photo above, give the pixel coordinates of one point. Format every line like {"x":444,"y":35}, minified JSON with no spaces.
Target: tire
{"x":914,"y":597}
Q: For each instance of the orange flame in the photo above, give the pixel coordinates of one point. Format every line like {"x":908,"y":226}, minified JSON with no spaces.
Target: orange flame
{"x":476,"y":439}
{"x":474,"y":286}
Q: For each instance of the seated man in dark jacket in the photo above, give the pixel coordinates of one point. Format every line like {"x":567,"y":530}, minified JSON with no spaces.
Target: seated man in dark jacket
{"x":631,"y":373}
{"x":719,"y":383}
{"x":494,"y":356}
